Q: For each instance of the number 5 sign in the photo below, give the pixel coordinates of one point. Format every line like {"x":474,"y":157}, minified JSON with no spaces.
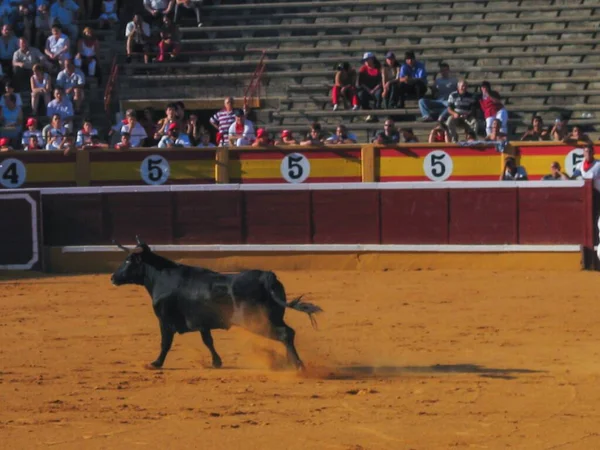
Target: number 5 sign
{"x":12,"y":173}
{"x":155,"y":170}
{"x":438,"y":165}
{"x":295,"y":168}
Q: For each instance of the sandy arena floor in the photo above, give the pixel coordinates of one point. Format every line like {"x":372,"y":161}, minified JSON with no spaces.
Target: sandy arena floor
{"x":402,"y":360}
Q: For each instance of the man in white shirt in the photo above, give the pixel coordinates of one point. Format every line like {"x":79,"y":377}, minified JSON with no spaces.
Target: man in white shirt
{"x":241,"y":132}
{"x":65,"y":12}
{"x":57,"y":46}
{"x":137,"y":33}
{"x":136,"y":131}
{"x":61,"y":105}
{"x":589,"y":169}
{"x":156,"y":9}
{"x":72,"y":81}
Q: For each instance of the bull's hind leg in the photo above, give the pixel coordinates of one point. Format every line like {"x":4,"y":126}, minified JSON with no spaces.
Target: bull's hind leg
{"x":286,"y":335}
{"x":208,"y":341}
{"x":166,"y":340}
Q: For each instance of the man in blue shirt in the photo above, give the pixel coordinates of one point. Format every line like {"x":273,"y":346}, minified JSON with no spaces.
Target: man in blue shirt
{"x":65,"y":12}
{"x":412,"y":77}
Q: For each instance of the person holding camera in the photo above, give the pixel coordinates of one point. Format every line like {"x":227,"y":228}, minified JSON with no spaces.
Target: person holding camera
{"x":512,"y":172}
{"x":439,"y":134}
{"x":174,"y":138}
{"x":345,"y":86}
{"x":137,"y":33}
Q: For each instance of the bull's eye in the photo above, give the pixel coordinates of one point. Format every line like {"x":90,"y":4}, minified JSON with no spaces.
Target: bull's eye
{"x":127,"y":262}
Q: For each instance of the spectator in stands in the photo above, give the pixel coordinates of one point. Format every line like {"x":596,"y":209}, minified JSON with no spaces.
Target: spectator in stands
{"x":408,"y":136}
{"x":65,"y":13}
{"x":41,"y":86}
{"x":560,"y":130}
{"x":315,"y":135}
{"x":109,"y":16}
{"x":169,"y":119}
{"x":32,"y":130}
{"x":9,"y":89}
{"x":222,"y":121}
{"x":555,"y":173}
{"x":87,"y":50}
{"x":205,"y":141}
{"x":496,"y":133}
{"x":262,"y":139}
{"x":151,"y":128}
{"x":286,"y":138}
{"x":12,"y":118}
{"x":342,"y":136}
{"x":389,"y":135}
{"x":72,"y":82}
{"x":187,"y":9}
{"x":492,"y":107}
{"x":137,"y":33}
{"x":156,"y":9}
{"x":43,"y":25}
{"x":67,"y":145}
{"x":32,"y":144}
{"x":54,"y":132}
{"x":389,"y":77}
{"x":5,"y":145}
{"x":412,"y":77}
{"x":511,"y":171}
{"x":137,"y":134}
{"x":125,"y":142}
{"x":173,"y":138}
{"x":25,"y":18}
{"x":87,"y":136}
{"x":241,"y":132}
{"x":9,"y":44}
{"x":369,"y":83}
{"x":57,"y":46}
{"x":168,"y":49}
{"x":170,"y":27}
{"x":461,"y":107}
{"x":193,"y":128}
{"x":536,"y":131}
{"x":576,"y":136}
{"x":344,"y":86}
{"x":23,"y":61}
{"x":443,"y":86}
{"x":439,"y":134}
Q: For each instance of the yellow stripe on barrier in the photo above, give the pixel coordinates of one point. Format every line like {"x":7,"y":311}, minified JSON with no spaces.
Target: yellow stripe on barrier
{"x":463,"y":166}
{"x":271,"y":168}
{"x":50,"y":172}
{"x":125,"y":171}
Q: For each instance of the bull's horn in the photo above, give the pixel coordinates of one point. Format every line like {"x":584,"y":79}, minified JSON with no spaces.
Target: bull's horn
{"x":125,"y":249}
{"x":138,"y":240}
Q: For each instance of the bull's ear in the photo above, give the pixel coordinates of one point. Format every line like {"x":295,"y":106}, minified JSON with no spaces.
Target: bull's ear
{"x":139,"y":241}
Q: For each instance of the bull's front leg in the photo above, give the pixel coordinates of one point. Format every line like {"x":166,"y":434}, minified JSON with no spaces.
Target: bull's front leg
{"x":166,"y":340}
{"x":208,"y":341}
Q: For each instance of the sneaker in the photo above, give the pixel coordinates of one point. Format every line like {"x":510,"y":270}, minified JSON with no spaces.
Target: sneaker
{"x":355,"y":108}
{"x":428,"y":119}
{"x":335,"y":107}
{"x":200,"y":24}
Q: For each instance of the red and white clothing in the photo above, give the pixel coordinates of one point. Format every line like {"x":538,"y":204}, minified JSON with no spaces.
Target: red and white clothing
{"x":591,"y":171}
{"x":492,"y":109}
{"x":137,"y":134}
{"x":246,"y":131}
{"x":223,"y":119}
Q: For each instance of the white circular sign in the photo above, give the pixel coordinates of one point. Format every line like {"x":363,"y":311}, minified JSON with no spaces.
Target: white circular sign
{"x":295,"y":168}
{"x":12,"y":173}
{"x":438,"y":165}
{"x":573,"y":158}
{"x":155,"y":169}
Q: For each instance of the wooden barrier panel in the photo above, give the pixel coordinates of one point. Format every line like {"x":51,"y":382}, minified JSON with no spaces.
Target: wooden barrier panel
{"x":536,"y":157}
{"x":36,"y":169}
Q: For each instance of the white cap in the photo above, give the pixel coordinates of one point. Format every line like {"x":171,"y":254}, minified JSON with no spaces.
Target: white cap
{"x":368,"y":55}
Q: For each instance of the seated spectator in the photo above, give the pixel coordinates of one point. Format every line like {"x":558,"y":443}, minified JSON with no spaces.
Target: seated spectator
{"x":286,"y":138}
{"x":173,"y":138}
{"x":137,"y":33}
{"x":9,"y":44}
{"x":151,"y":128}
{"x":187,"y":10}
{"x":262,"y":139}
{"x":555,"y":173}
{"x":536,"y":131}
{"x":87,"y":50}
{"x":342,"y":136}
{"x":205,"y":141}
{"x":54,"y":131}
{"x":560,"y":130}
{"x":577,"y":135}
{"x":41,"y":86}
{"x":168,"y":49}
{"x":315,"y":136}
{"x":389,"y":77}
{"x":87,"y":136}
{"x":9,"y":89}
{"x":241,"y":132}
{"x":32,"y":130}
{"x":443,"y":86}
{"x":492,"y":107}
{"x":496,"y":133}
{"x":461,"y":108}
{"x":470,"y":136}
{"x":512,"y":172}
{"x":5,"y":145}
{"x":65,"y":13}
{"x":169,"y":27}
{"x":137,"y":134}
{"x":25,"y":18}
{"x":369,"y":83}
{"x":389,"y":135}
{"x":67,"y":144}
{"x":124,"y":143}
{"x":169,"y":119}
{"x":156,"y":9}
{"x":344,"y":86}
{"x":57,"y":46}
{"x":72,"y":81}
{"x":193,"y":129}
{"x":109,"y":16}
{"x":12,"y":118}
{"x":23,"y":62}
{"x":408,"y":135}
{"x":43,"y":25}
{"x":33,"y":144}
{"x":412,"y":77}
{"x":6,"y":12}
{"x":439,"y":134}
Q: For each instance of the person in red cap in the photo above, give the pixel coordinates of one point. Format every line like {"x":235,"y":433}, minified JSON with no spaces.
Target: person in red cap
{"x":262,"y":138}
{"x":174,"y":138}
{"x":286,"y":138}
{"x":32,"y":130}
{"x":5,"y":145}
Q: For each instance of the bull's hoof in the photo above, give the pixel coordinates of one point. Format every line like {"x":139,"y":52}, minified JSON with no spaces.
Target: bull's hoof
{"x":217,"y":363}
{"x":154,"y":365}
{"x":300,"y":367}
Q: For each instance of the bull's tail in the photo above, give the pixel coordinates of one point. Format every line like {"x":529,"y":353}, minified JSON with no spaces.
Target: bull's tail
{"x":277,"y":291}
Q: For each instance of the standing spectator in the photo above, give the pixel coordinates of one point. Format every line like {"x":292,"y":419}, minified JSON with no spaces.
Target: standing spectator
{"x":555,"y":173}
{"x":61,"y":105}
{"x":23,"y":61}
{"x":589,"y":169}
{"x":109,"y":17}
{"x":72,"y":81}
{"x":57,"y":46}
{"x":342,"y":136}
{"x":413,"y":78}
{"x":137,"y":134}
{"x":241,"y":132}
{"x":344,"y":85}
{"x":12,"y":118}
{"x":286,"y":138}
{"x":439,"y":134}
{"x":560,"y":130}
{"x":369,"y":83}
{"x":87,"y":51}
{"x":222,"y":121}
{"x":43,"y":25}
{"x":187,"y":9}
{"x":9,"y":44}
{"x":65,"y":13}
{"x":137,"y":33}
{"x":461,"y":105}
{"x":496,"y":133}
{"x":536,"y":131}
{"x":443,"y":86}
{"x":492,"y":107}
{"x":389,"y":134}
{"x":156,"y":9}
{"x":512,"y":172}
{"x":41,"y":86}
{"x":390,"y":79}
{"x":32,"y":130}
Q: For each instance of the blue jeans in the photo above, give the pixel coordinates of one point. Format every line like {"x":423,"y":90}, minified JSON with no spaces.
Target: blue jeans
{"x":429,"y":106}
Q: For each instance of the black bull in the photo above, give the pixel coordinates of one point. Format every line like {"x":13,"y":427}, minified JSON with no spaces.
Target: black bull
{"x":187,"y":298}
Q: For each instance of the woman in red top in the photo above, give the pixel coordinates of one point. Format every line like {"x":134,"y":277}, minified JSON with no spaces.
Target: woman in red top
{"x":439,"y":134}
{"x":493,"y":108}
{"x":370,"y":86}
{"x":168,"y":48}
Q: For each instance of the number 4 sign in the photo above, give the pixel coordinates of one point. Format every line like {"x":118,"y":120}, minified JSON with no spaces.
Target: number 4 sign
{"x":155,"y":170}
{"x":12,"y":173}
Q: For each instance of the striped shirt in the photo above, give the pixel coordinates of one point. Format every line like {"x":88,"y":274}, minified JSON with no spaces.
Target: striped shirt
{"x":223,"y":119}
